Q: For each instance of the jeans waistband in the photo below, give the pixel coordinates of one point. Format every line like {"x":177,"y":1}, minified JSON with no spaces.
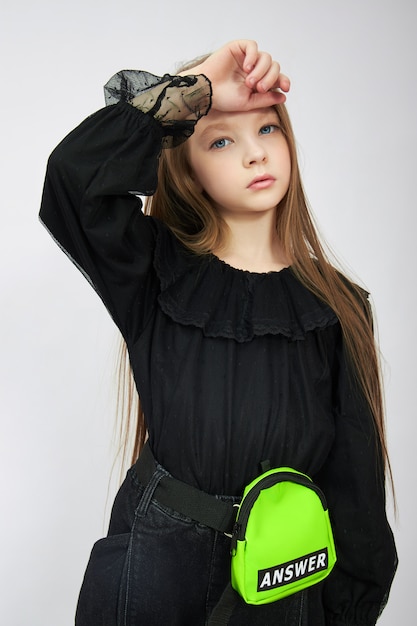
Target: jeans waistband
{"x":186,"y":499}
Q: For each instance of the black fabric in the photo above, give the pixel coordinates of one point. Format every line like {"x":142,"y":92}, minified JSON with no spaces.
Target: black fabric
{"x":232,"y":367}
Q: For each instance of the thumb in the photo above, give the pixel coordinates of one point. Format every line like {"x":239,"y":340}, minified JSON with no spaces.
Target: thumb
{"x":264,"y":100}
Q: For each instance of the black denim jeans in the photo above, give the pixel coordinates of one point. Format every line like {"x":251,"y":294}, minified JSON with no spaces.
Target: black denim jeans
{"x":159,"y":568}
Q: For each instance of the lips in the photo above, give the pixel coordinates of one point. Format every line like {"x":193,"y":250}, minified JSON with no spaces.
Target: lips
{"x":261,"y":182}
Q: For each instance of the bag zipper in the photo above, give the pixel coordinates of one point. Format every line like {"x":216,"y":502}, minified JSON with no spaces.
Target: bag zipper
{"x":239,"y":528}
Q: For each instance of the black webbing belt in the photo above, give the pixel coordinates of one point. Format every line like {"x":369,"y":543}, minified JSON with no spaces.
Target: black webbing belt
{"x":185,"y":499}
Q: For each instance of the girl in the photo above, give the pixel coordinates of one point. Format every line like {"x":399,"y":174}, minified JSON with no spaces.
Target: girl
{"x":244,"y":341}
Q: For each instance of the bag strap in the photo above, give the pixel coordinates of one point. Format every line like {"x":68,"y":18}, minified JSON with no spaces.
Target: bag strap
{"x":223,"y":610}
{"x":186,"y":499}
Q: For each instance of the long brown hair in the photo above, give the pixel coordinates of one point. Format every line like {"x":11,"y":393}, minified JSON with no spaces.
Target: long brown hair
{"x":191,"y":217}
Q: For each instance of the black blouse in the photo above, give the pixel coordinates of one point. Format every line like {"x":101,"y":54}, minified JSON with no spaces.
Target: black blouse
{"x":232,"y":367}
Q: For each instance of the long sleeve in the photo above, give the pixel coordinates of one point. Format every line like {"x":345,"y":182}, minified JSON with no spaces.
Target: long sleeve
{"x":90,"y":203}
{"x":353,"y":481}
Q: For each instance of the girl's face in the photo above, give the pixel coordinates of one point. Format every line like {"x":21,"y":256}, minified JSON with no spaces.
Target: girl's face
{"x":241,"y":160}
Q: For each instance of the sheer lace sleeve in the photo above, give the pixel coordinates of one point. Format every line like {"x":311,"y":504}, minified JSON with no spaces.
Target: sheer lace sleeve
{"x":176,"y":102}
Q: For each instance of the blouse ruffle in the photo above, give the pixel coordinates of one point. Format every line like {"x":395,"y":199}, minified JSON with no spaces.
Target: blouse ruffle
{"x":223,"y":301}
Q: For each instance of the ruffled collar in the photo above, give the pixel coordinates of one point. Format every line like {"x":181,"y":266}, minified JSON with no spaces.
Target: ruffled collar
{"x":223,"y":301}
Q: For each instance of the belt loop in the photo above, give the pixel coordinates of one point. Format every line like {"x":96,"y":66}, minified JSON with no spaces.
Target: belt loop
{"x":149,"y":491}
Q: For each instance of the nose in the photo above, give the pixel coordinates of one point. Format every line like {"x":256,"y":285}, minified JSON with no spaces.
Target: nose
{"x":254,"y":153}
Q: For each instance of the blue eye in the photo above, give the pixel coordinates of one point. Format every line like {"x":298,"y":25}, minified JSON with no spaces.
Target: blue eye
{"x":268,"y":129}
{"x":220,"y":143}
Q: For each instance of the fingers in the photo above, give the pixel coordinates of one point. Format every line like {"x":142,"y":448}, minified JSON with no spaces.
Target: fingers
{"x":263,"y":68}
{"x":263,"y":73}
{"x":267,"y":75}
{"x":250,"y":51}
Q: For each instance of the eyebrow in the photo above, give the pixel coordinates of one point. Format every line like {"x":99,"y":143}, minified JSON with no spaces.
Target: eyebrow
{"x":214,"y":128}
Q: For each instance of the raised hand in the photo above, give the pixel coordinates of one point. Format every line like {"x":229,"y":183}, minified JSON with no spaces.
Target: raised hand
{"x":242,"y":77}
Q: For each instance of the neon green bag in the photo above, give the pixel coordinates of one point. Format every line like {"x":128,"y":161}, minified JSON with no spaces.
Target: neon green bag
{"x":282,"y":540}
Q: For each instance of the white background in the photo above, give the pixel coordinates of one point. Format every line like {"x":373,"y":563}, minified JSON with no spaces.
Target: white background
{"x":353,"y":102}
